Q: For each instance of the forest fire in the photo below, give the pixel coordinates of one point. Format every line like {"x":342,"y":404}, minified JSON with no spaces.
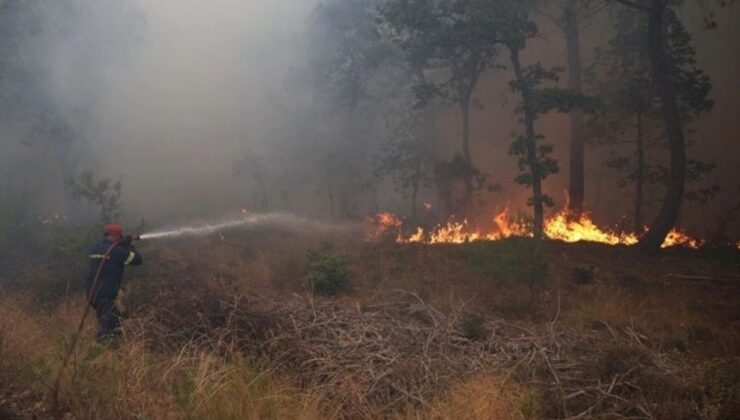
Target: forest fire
{"x":558,"y":227}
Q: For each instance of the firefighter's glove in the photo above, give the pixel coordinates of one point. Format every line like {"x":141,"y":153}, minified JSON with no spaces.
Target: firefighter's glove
{"x":126,"y":241}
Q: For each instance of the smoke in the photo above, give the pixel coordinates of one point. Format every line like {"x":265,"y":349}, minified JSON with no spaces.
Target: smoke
{"x":173,"y":95}
{"x":196,"y":97}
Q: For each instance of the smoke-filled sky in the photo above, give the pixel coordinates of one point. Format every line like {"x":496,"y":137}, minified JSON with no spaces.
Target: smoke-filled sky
{"x":179,"y":115}
{"x":172,"y":96}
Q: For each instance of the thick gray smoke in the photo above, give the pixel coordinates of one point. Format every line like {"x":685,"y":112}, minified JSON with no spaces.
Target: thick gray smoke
{"x":208,"y":106}
{"x":197,"y":96}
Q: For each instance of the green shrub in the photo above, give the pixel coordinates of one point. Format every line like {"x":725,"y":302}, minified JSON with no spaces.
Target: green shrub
{"x":517,"y":260}
{"x":49,"y":261}
{"x":530,"y":406}
{"x":328,"y":272}
{"x":472,"y":327}
{"x":67,"y":248}
{"x":678,"y":340}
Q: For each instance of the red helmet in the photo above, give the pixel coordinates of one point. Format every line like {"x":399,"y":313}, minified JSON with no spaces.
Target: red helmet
{"x":113,"y":229}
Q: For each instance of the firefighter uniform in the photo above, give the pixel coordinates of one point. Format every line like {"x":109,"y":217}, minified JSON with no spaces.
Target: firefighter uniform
{"x":102,"y":295}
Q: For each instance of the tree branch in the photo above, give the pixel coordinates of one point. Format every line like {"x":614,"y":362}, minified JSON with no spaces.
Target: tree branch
{"x":633,"y":4}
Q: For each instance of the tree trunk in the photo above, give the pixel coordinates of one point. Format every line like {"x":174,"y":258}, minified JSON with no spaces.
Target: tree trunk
{"x":671,"y":206}
{"x":414,"y":193}
{"x":264,"y":200}
{"x":640,"y":176}
{"x":468,"y":174}
{"x":330,"y":192}
{"x":531,"y":146}
{"x":67,"y":173}
{"x":415,"y":189}
{"x":576,"y":190}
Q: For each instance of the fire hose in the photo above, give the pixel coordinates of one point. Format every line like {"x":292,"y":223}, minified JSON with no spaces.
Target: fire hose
{"x":91,"y":295}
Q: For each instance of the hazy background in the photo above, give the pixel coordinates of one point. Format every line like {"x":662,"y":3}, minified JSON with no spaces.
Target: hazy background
{"x":170,"y":94}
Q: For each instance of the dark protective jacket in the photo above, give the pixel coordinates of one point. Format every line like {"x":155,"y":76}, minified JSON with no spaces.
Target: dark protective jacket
{"x":111,"y":274}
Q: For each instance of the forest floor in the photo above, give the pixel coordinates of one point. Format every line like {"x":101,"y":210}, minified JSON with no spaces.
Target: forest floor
{"x":228,"y":327}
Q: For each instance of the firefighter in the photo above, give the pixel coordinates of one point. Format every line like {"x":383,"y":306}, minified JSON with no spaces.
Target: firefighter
{"x":103,"y":282}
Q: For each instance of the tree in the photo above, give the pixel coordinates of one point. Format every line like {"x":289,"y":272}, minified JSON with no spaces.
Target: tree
{"x":534,"y":155}
{"x":348,"y":50}
{"x":407,"y":155}
{"x":667,"y":70}
{"x":569,"y":16}
{"x":441,"y":42}
{"x":576,"y":186}
{"x":350,"y":62}
{"x":252,"y":166}
{"x":103,"y":193}
{"x":515,"y":27}
{"x":41,"y":114}
{"x":630,"y":106}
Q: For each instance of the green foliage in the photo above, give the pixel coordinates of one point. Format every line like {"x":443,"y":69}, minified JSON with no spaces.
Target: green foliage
{"x":544,"y":163}
{"x":472,"y":326}
{"x":66,"y":249}
{"x":536,"y":101}
{"x":328,"y":272}
{"x":407,"y":155}
{"x":677,"y":340}
{"x":350,"y":48}
{"x":434,"y":37}
{"x":446,"y":51}
{"x":629,"y":106}
{"x":449,"y":173}
{"x":47,"y":260}
{"x":101,"y":192}
{"x":530,"y":405}
{"x":184,"y":390}
{"x":518,"y":260}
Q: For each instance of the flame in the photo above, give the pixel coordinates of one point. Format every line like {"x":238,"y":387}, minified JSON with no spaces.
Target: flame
{"x":508,"y":228}
{"x":428,"y":206}
{"x":51,"y":219}
{"x":459,"y":232}
{"x":679,"y":238}
{"x":558,"y":227}
{"x":379,"y":225}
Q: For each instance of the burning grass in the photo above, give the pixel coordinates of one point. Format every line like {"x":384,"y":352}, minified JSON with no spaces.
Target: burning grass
{"x":560,"y":227}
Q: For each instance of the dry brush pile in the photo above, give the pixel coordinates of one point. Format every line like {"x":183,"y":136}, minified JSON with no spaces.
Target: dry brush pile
{"x":395,"y":352}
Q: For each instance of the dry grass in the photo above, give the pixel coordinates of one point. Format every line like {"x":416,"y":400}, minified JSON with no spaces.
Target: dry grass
{"x":132,"y":380}
{"x":226,"y":329}
{"x":479,"y":398}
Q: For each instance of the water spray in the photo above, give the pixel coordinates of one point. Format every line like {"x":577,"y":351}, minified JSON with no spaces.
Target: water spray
{"x":277,"y":220}
{"x":200,"y":230}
